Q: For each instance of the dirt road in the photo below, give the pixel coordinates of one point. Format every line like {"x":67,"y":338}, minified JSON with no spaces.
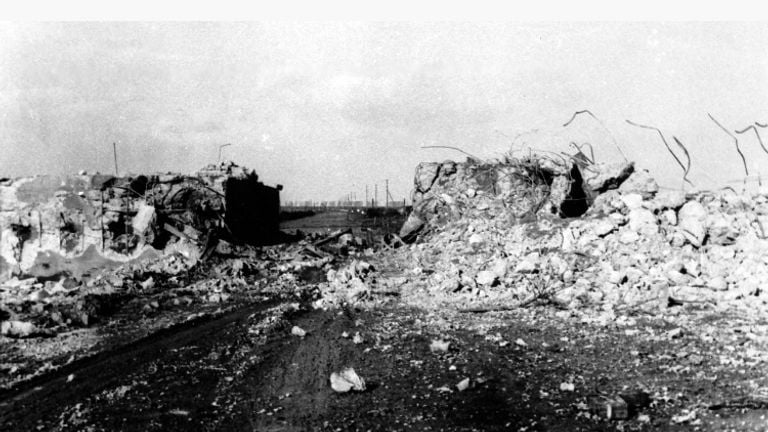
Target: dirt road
{"x":244,"y":371}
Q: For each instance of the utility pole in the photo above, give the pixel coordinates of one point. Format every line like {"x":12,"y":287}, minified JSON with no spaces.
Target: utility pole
{"x":114,"y":152}
{"x":366,"y":194}
{"x":375,"y":193}
{"x":386,"y":196}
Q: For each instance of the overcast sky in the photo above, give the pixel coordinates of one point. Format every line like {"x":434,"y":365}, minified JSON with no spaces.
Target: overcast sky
{"x":325,"y":109}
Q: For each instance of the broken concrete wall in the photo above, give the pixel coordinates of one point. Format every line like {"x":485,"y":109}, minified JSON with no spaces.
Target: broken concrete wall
{"x":520,"y":188}
{"x":55,"y":224}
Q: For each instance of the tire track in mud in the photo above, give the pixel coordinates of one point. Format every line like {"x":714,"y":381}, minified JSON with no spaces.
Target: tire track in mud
{"x":27,"y":403}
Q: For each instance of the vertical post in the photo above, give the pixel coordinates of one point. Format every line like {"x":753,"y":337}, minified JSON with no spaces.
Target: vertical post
{"x":375,"y":193}
{"x":114,"y":152}
{"x":366,"y":194}
{"x":386,"y":195}
{"x":101,"y":220}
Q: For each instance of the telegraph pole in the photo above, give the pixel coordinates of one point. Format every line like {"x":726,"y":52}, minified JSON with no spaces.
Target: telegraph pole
{"x":386,"y":196}
{"x":114,"y":151}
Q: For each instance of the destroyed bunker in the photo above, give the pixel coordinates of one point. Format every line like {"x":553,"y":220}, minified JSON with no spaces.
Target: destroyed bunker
{"x":52,"y":225}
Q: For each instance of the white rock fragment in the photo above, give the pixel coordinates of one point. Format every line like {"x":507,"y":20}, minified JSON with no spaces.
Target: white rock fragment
{"x":603,"y":227}
{"x":718,"y":283}
{"x":476,"y":240}
{"x":669,"y":216}
{"x":668,"y":199}
{"x":692,"y":222}
{"x":438,"y":345}
{"x":463,"y":384}
{"x":347,"y":380}
{"x":628,"y":237}
{"x":485,"y":278}
{"x":642,"y":221}
{"x":18,"y":329}
{"x":499,"y":268}
{"x":640,"y":181}
{"x":298,"y":331}
{"x":632,"y":200}
{"x":528,"y":264}
{"x":148,"y":284}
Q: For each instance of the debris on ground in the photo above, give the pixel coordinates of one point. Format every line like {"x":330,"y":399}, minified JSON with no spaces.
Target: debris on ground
{"x":298,"y":331}
{"x":347,"y":380}
{"x":463,"y":384}
{"x":439,"y":345}
{"x":554,"y":285}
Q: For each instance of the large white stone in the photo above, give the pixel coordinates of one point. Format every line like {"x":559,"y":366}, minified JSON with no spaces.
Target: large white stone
{"x":692,"y":222}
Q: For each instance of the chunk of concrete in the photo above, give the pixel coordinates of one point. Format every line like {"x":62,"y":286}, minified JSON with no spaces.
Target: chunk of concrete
{"x":426,"y":173}
{"x":411,"y":227}
{"x":692,"y":219}
{"x":605,"y":176}
{"x":143,"y":219}
{"x":640,"y":182}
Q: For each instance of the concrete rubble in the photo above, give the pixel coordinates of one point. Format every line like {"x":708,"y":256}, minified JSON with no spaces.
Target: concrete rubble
{"x":481,"y":235}
{"x":577,"y":235}
{"x":596,"y":246}
{"x":77,"y":248}
{"x":52,"y":226}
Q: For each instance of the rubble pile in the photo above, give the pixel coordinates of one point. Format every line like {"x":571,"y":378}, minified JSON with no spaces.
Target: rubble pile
{"x":53,"y":226}
{"x":521,"y":189}
{"x":483,"y":238}
{"x":76,"y":250}
{"x":174,"y":281}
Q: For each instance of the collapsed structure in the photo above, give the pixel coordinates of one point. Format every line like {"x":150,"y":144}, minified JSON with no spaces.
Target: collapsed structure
{"x":52,"y":225}
{"x":520,"y":188}
{"x":580,"y":233}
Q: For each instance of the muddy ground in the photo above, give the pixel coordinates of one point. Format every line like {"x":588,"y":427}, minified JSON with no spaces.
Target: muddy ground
{"x":245,"y":371}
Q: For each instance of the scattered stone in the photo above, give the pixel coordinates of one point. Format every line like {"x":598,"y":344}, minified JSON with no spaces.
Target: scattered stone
{"x":426,"y":173}
{"x":605,"y":175}
{"x":485,"y":278}
{"x":438,"y":345}
{"x":298,"y":331}
{"x":718,"y":283}
{"x":643,"y":221}
{"x":476,"y":240}
{"x":148,"y":284}
{"x":528,"y":264}
{"x":692,"y":222}
{"x":640,"y":182}
{"x":633,"y":201}
{"x":463,"y":384}
{"x":411,"y":227}
{"x":628,"y":237}
{"x":668,"y":199}
{"x":347,"y":380}
{"x":603,"y":227}
{"x":17,"y":329}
